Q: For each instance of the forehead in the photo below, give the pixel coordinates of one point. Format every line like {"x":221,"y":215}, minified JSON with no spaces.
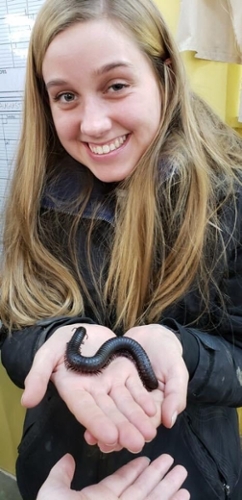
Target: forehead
{"x":91,"y":43}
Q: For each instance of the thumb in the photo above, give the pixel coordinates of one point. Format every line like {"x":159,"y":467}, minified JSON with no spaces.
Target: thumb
{"x":47,"y":358}
{"x":38,"y":378}
{"x":57,"y":484}
{"x":63,"y":471}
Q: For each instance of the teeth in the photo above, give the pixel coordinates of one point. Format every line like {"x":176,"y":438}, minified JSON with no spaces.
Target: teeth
{"x":106,"y":148}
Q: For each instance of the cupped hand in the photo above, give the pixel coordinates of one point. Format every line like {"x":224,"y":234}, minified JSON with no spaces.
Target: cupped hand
{"x":113,"y":405}
{"x":137,"y":480}
{"x":165,"y":353}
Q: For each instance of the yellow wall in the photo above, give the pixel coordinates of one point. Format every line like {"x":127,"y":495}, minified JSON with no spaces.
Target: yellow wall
{"x":11,"y":422}
{"x":219,"y":84}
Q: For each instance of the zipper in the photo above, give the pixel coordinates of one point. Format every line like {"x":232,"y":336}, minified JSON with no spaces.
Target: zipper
{"x":226,"y":489}
{"x":225,"y":486}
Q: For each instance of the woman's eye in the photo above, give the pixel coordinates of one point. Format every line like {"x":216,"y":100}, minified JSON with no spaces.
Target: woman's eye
{"x":116,"y":87}
{"x":65,"y":97}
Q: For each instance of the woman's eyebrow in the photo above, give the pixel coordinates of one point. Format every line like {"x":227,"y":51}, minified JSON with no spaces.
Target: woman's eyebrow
{"x":109,"y":67}
{"x":57,"y":82}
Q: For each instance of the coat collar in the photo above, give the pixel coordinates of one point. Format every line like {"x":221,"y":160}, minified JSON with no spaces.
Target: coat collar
{"x":68,"y":181}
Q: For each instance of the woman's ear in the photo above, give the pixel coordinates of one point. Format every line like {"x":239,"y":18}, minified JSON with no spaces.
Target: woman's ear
{"x":168,"y":61}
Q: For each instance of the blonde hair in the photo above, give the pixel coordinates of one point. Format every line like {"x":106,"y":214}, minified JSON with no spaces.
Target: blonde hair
{"x":159,"y":240}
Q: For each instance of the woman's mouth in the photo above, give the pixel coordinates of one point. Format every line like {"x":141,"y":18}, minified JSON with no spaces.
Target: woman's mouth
{"x":109,"y":147}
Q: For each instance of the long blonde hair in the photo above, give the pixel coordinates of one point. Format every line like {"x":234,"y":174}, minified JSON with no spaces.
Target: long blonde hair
{"x":159,"y":241}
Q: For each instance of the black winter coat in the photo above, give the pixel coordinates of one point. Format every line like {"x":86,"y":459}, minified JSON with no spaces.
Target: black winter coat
{"x":205,"y":438}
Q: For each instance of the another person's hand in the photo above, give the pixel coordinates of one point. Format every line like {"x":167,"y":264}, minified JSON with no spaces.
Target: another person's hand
{"x":113,"y":405}
{"x":137,"y":480}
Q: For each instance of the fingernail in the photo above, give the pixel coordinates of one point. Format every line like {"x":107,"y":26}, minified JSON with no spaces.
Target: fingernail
{"x":173,"y":418}
{"x":134,"y":452}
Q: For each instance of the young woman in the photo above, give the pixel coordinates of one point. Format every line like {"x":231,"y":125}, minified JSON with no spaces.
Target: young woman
{"x":124,"y":218}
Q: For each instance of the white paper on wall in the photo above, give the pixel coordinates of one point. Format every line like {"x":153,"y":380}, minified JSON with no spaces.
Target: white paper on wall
{"x":16,"y":21}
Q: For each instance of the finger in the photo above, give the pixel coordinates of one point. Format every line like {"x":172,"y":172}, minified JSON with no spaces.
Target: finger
{"x":63,"y":471}
{"x":86,"y":410}
{"x":57,"y":484}
{"x":149,"y":479}
{"x":141,"y":396}
{"x":104,"y":448}
{"x":125,"y":476}
{"x":158,"y":398}
{"x":169,"y":485}
{"x":175,"y":397}
{"x":128,"y":435}
{"x":181,"y":495}
{"x":38,"y":378}
{"x":91,"y":440}
{"x":133,"y":412}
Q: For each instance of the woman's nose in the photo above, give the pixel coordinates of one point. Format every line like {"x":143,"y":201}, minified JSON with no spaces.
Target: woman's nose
{"x":95,"y":121}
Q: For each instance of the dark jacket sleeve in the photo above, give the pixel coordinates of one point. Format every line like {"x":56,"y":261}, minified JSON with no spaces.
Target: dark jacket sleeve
{"x":19,"y":348}
{"x":213,"y":355}
{"x":217,"y":378}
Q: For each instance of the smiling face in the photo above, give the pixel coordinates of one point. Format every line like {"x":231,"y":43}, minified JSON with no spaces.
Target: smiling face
{"x":104,"y":97}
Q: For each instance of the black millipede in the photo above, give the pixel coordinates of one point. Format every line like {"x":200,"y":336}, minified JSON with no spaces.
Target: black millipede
{"x":118,"y":346}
